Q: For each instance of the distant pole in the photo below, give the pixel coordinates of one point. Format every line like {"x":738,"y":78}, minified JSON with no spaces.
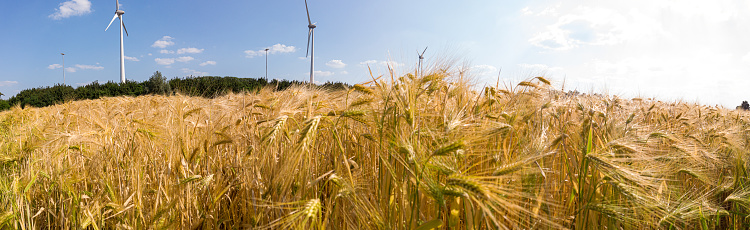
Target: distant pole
{"x":63,"y":57}
{"x":266,"y":64}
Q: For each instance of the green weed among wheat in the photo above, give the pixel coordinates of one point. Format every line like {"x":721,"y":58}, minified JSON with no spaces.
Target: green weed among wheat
{"x":398,"y":152}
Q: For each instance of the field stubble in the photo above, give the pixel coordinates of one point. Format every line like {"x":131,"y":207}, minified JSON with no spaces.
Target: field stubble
{"x":403,"y":153}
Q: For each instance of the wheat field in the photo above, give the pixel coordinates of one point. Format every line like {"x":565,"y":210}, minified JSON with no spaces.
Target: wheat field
{"x":398,"y":152}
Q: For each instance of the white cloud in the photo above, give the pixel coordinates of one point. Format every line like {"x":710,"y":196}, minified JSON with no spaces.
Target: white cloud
{"x":71,"y":8}
{"x":164,"y":61}
{"x":208,"y":63}
{"x":746,"y":58}
{"x":526,"y":11}
{"x":85,"y":67}
{"x":185,"y":59}
{"x":344,"y":72}
{"x":391,"y":63}
{"x":169,"y":61}
{"x":193,"y":72}
{"x":189,"y":51}
{"x":319,"y":73}
{"x":166,"y":51}
{"x":253,"y":53}
{"x":484,"y":70}
{"x":595,"y":25}
{"x":131,"y":58}
{"x":8,"y":83}
{"x":163,"y":42}
{"x":547,"y":11}
{"x":338,"y":64}
{"x":666,"y":49}
{"x":54,"y":66}
{"x":383,"y":64}
{"x":278,"y":48}
{"x":71,"y":70}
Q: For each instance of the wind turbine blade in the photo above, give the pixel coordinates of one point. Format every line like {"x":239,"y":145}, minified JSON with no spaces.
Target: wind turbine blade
{"x":110,"y":22}
{"x":123,"y":26}
{"x":425,"y":50}
{"x":118,"y":5}
{"x":309,"y":33}
{"x":308,"y":14}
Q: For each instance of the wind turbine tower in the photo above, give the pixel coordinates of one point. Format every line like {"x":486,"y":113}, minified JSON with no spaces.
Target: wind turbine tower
{"x":118,"y":14}
{"x":267,"y":63}
{"x":310,"y":47}
{"x":63,"y":57}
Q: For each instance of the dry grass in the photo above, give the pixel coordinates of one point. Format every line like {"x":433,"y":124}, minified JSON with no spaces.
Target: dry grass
{"x":404,"y":153}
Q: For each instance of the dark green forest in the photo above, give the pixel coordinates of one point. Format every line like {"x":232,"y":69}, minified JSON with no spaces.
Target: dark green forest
{"x":208,"y":87}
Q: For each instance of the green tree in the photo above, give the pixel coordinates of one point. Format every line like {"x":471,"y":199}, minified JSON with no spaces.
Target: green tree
{"x":158,"y":84}
{"x":4,"y":105}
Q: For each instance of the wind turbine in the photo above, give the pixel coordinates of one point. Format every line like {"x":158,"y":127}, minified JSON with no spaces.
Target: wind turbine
{"x":421,"y":57}
{"x":63,"y":57}
{"x":267,"y":63}
{"x":310,"y":48}
{"x":118,"y":14}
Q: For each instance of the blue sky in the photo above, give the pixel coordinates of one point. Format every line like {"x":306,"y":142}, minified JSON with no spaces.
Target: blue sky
{"x":671,"y":50}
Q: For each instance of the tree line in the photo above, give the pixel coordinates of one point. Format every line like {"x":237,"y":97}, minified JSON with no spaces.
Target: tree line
{"x":743,"y":106}
{"x":209,"y":87}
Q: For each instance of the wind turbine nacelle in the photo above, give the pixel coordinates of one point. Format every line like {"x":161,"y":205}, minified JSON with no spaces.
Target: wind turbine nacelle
{"x":119,"y":12}
{"x":311,"y":26}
